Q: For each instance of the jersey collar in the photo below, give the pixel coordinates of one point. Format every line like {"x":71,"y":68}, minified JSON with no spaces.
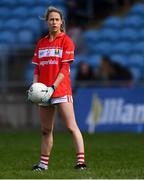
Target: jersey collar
{"x":59,"y":35}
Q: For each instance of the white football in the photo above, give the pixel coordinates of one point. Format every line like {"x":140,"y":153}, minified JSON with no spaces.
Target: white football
{"x":36,"y":92}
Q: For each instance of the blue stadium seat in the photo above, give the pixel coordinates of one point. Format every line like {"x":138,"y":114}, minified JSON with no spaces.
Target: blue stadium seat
{"x":129,"y":34}
{"x":8,"y":3}
{"x":58,"y":2}
{"x":136,"y":60}
{"x":91,"y":35}
{"x":29,"y":73}
{"x":73,"y":75}
{"x":5,"y":12}
{"x":63,"y":9}
{"x":27,"y":3}
{"x":138,"y":47}
{"x":103,"y":47}
{"x":8,"y":37}
{"x":13,"y":24}
{"x":2,"y":22}
{"x":134,"y":21}
{"x":141,"y":34}
{"x":113,"y":22}
{"x":79,"y":58}
{"x":119,"y":58}
{"x":136,"y":72}
{"x":122,"y":47}
{"x":25,"y":36}
{"x":46,"y":3}
{"x":37,"y":11}
{"x":40,"y":10}
{"x":34,"y":24}
{"x":110,"y":34}
{"x":20,"y":12}
{"x":137,"y":9}
{"x":94,"y":60}
{"x":5,"y":50}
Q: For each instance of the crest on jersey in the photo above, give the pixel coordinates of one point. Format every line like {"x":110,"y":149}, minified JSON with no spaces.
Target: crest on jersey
{"x":56,"y":51}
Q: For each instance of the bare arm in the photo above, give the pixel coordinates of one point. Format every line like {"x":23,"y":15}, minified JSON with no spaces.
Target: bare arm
{"x":35,"y":78}
{"x":63,"y":72}
{"x":36,"y":74}
{"x":59,"y":78}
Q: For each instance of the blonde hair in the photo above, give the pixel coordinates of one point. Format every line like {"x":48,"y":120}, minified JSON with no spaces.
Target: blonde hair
{"x":54,"y":9}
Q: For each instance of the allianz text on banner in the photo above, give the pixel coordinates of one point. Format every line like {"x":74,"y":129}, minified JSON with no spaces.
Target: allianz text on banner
{"x":110,"y":109}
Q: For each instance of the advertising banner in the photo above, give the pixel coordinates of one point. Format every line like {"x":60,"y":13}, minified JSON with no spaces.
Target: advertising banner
{"x":110,"y":109}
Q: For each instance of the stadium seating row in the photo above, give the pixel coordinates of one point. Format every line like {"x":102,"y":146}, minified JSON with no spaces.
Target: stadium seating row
{"x":134,"y":62}
{"x":24,"y":36}
{"x":25,"y":12}
{"x":112,"y":36}
{"x":34,"y":25}
{"x":137,"y":9}
{"x":126,"y":60}
{"x":123,"y":47}
{"x":135,"y":21}
{"x":21,"y":24}
{"x":120,"y":38}
{"x":29,"y":3}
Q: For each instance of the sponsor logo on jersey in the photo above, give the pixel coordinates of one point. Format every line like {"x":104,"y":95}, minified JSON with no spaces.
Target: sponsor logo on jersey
{"x":47,"y":52}
{"x":42,"y":63}
{"x":50,"y":53}
{"x":42,"y":53}
{"x":69,"y":52}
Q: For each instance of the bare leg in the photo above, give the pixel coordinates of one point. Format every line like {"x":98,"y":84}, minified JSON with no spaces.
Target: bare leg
{"x":47,"y":115}
{"x":67,"y":111}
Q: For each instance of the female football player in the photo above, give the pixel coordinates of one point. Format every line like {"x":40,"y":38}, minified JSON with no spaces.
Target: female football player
{"x":52,"y":58}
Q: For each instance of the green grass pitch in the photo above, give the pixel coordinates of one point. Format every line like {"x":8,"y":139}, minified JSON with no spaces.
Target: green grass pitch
{"x":111,"y":155}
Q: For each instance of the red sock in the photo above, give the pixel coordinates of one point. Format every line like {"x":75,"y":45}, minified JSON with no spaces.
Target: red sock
{"x":44,"y":161}
{"x":80,"y":158}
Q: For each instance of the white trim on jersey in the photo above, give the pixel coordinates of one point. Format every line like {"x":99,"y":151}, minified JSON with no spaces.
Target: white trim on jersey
{"x":67,"y":98}
{"x":57,"y":100}
{"x":34,"y":63}
{"x":67,"y":60}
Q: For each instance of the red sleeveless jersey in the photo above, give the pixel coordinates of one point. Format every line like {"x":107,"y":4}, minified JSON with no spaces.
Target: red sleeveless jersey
{"x":49,"y":56}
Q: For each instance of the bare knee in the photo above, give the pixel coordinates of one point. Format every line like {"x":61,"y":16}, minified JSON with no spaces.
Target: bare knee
{"x":47,"y":131}
{"x":72,"y":129}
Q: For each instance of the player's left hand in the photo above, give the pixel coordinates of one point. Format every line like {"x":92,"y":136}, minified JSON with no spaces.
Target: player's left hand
{"x":48,"y":94}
